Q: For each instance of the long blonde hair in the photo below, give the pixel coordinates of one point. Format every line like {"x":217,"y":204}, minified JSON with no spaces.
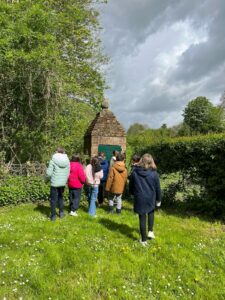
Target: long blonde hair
{"x":147,"y":162}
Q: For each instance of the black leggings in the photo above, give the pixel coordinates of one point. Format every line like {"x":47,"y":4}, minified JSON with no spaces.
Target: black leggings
{"x":142,"y":222}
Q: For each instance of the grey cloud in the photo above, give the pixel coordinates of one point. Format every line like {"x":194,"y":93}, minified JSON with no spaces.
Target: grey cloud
{"x":143,"y":46}
{"x":199,"y":60}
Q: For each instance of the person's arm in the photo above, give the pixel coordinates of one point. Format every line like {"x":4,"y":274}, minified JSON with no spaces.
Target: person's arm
{"x":109,"y":180}
{"x":81,"y":175}
{"x":88,"y":172}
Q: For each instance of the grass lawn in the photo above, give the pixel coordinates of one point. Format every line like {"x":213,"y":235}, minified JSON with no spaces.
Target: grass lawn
{"x":86,"y":258}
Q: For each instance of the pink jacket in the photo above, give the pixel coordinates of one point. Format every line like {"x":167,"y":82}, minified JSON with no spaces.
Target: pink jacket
{"x":77,"y":176}
{"x":93,"y":179}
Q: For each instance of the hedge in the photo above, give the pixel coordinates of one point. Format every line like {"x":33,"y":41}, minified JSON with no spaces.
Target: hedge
{"x":20,"y":189}
{"x":201,"y":160}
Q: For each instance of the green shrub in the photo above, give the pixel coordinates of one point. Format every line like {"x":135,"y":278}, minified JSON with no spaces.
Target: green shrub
{"x":200,"y":160}
{"x":20,"y":189}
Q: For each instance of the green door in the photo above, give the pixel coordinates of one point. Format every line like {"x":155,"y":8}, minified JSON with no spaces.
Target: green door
{"x":108,"y":150}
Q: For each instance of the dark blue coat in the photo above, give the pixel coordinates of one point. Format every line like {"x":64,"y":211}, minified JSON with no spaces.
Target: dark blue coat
{"x":145,"y":186}
{"x":105,"y":167}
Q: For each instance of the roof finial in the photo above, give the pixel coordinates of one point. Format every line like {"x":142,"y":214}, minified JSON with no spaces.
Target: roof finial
{"x":105,"y":104}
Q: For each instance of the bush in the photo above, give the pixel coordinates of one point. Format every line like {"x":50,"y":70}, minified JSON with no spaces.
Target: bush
{"x":20,"y":189}
{"x":200,"y":160}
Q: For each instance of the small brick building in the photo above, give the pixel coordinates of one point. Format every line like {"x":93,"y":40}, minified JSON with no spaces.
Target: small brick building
{"x":105,"y":134}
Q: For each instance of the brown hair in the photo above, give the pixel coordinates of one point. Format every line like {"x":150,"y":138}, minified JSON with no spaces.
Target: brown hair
{"x":136,"y":158}
{"x":120,"y":157}
{"x":75,"y":158}
{"x":147,"y":162}
{"x":60,"y":150}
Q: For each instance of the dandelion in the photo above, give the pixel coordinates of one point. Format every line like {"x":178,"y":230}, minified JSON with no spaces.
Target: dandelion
{"x":21,"y":275}
{"x":3,"y":282}
{"x":3,"y":271}
{"x":15,"y":290}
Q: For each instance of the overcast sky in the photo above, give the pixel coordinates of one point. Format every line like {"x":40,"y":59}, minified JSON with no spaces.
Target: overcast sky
{"x":163,"y":53}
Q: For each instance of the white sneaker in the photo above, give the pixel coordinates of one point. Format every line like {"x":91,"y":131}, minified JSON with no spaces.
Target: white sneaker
{"x":145,"y":243}
{"x":74,"y":214}
{"x":151,"y":235}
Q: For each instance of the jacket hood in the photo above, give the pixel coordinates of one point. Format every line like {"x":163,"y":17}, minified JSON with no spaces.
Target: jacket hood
{"x":61,"y":160}
{"x":119,"y":166}
{"x":142,"y":172}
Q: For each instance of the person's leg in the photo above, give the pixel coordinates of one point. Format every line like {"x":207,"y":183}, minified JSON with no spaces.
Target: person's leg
{"x":111,"y":202}
{"x":77,"y":195}
{"x":53,"y":201}
{"x":92,"y":206}
{"x":150,"y":220}
{"x":142,"y":223}
{"x":119,"y":203}
{"x":151,"y":224}
{"x":100,"y":194}
{"x":61,"y":202}
{"x":71,"y":196}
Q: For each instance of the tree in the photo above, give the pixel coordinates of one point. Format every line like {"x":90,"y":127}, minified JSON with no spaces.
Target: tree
{"x":201,"y":116}
{"x":49,"y":52}
{"x":136,"y":128}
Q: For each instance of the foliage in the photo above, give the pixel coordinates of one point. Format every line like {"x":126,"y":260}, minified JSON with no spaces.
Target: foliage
{"x":68,"y":128}
{"x":149,"y":136}
{"x":136,"y":128}
{"x":186,"y":260}
{"x":20,"y":189}
{"x":49,"y":52}
{"x":201,"y":160}
{"x":201,"y":116}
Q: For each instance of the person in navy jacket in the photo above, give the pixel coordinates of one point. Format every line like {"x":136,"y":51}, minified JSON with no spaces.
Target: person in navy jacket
{"x":144,"y":185}
{"x":105,"y":167}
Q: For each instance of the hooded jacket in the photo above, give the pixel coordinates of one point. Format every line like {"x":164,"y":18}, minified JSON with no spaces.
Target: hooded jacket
{"x":145,"y":186}
{"x":58,"y":170}
{"x":77,"y":176}
{"x":117,"y":178}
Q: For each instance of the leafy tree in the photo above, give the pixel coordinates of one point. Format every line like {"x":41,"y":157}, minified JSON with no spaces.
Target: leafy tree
{"x":201,"y":116}
{"x":136,"y":128}
{"x":49,"y":52}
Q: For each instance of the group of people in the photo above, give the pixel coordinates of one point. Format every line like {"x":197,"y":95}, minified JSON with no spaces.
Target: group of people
{"x":102,"y":178}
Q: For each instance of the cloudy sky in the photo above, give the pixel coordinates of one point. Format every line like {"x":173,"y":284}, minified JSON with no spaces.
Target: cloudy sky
{"x":163,"y":53}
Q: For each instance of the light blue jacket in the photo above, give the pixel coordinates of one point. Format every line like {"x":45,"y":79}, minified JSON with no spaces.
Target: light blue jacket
{"x":58,"y":170}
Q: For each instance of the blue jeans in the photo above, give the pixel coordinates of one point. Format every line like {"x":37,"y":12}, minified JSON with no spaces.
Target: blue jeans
{"x":92,"y":197}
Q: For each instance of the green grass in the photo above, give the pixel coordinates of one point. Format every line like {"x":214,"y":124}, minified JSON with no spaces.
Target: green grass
{"x":86,"y":258}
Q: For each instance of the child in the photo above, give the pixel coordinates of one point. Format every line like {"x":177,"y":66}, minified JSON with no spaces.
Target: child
{"x":113,"y":158}
{"x":105,"y":168}
{"x":145,"y":186}
{"x":94,"y":174}
{"x":134,"y":162}
{"x":116,"y":182}
{"x":58,"y":173}
{"x":75,"y":183}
